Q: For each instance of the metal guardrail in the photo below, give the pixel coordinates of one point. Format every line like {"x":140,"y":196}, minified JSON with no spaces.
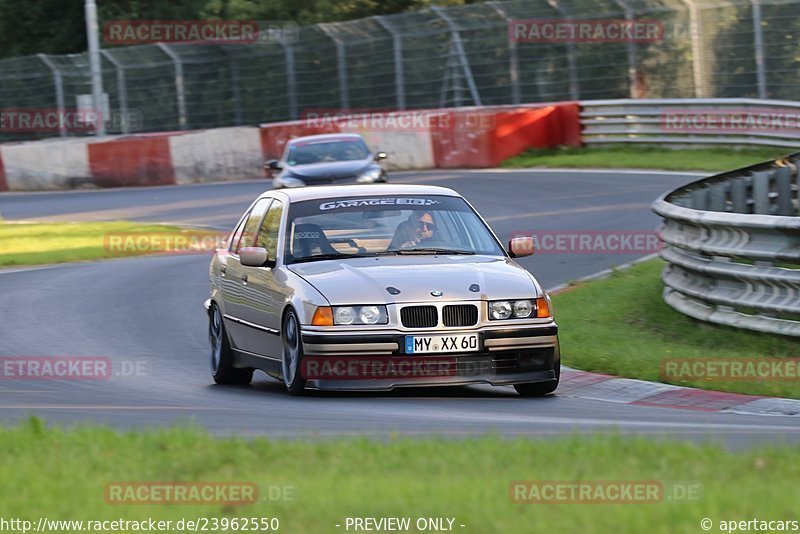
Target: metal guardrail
{"x":732,"y":244}
{"x":713,"y":121}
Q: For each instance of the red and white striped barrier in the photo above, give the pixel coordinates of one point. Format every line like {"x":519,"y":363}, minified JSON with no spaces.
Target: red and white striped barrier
{"x":451,"y":139}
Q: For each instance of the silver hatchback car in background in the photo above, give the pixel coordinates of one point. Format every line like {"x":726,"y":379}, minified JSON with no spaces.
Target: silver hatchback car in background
{"x":358,"y":288}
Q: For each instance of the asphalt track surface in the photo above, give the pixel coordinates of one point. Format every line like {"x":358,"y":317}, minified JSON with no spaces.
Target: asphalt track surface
{"x":145,"y":315}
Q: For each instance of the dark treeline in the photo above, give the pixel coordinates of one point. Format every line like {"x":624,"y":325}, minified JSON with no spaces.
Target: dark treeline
{"x":57,"y":26}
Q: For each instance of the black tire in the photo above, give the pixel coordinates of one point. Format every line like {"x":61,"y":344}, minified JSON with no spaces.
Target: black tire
{"x":222,"y":368}
{"x":540,"y":389}
{"x":292,"y":357}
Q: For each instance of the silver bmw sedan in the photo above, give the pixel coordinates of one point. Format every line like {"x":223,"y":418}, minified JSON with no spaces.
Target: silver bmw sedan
{"x":358,"y":288}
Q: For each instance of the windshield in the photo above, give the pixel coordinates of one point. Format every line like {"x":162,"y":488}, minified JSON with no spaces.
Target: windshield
{"x":305,"y":153}
{"x":385,"y":225}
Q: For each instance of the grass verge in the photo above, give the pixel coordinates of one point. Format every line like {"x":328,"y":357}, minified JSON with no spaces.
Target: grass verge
{"x":621,"y":326}
{"x":63,"y":474}
{"x":644,"y":157}
{"x":42,"y":243}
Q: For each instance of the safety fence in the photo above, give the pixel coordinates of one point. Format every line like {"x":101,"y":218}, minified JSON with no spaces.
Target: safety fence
{"x":733,"y":247}
{"x":482,"y":54}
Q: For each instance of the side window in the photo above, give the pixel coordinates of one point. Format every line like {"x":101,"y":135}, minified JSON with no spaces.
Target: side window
{"x":253,"y":222}
{"x":236,"y":235}
{"x":268,"y":235}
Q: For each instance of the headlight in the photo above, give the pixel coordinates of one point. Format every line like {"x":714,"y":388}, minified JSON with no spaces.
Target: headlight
{"x":371,"y":175}
{"x":288,"y":181}
{"x":520,"y":309}
{"x":500,"y":310}
{"x":347,"y":315}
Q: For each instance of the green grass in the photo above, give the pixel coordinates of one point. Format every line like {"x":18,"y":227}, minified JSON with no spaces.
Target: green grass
{"x":62,"y":474}
{"x":644,"y":157}
{"x":42,"y":243}
{"x":621,"y":326}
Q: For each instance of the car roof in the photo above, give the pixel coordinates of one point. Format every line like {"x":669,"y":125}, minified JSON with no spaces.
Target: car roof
{"x":300,"y":194}
{"x":324,"y":137}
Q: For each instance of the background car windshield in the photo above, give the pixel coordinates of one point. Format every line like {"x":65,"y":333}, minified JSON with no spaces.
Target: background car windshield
{"x":384,"y":224}
{"x":321,"y":152}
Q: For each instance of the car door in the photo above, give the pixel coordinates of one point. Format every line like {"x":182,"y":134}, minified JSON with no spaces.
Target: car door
{"x":233,"y":275}
{"x":266,"y":291}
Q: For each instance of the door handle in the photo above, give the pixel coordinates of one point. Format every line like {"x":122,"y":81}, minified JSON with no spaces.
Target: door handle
{"x":223,"y":270}
{"x":244,"y":279}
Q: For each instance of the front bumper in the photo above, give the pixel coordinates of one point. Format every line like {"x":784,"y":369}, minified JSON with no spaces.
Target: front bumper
{"x":505,"y":357}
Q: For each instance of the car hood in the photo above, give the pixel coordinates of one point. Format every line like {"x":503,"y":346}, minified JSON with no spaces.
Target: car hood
{"x":364,"y":280}
{"x":329,"y":170}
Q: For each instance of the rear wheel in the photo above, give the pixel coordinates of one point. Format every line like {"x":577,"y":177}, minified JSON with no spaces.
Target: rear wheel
{"x":292,"y":355}
{"x":222,"y":368}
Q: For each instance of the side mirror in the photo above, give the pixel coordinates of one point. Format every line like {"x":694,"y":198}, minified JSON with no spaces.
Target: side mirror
{"x":273,"y":165}
{"x":381,"y":156}
{"x":253,"y":256}
{"x":519,"y":247}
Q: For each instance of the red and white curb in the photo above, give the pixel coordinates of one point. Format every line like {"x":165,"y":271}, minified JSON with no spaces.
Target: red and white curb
{"x":586,"y":385}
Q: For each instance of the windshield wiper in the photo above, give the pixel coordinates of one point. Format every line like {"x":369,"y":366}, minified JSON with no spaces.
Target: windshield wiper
{"x":343,"y":256}
{"x":434,"y":250}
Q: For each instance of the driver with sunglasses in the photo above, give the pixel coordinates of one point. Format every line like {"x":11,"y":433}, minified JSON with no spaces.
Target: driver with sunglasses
{"x":412,"y":232}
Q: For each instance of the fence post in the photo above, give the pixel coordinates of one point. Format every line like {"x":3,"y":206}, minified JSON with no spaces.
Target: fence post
{"x":122,"y":90}
{"x":631,"y":46}
{"x":235,"y":89}
{"x":458,"y":48}
{"x":179,"y":89}
{"x":698,"y":58}
{"x":291,"y":79}
{"x":513,"y":61}
{"x":572,"y":64}
{"x":397,"y":50}
{"x":59,"y":83}
{"x":341,"y":60}
{"x":758,"y":43}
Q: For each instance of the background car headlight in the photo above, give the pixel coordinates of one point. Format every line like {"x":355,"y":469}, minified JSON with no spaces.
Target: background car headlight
{"x":371,"y":175}
{"x":346,"y":315}
{"x":289,"y":181}
{"x":519,"y":309}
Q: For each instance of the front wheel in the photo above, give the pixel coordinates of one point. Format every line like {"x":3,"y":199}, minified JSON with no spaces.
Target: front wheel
{"x":222,"y":368}
{"x":292,"y":355}
{"x":539,"y":389}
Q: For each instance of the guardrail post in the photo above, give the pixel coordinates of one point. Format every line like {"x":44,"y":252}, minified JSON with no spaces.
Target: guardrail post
{"x":783,"y":185}
{"x":717,"y":200}
{"x":397,"y":51}
{"x":761,"y":193}
{"x":700,"y":199}
{"x":739,"y":195}
{"x":59,"y":83}
{"x":179,"y":88}
{"x":122,"y":91}
{"x":341,"y":61}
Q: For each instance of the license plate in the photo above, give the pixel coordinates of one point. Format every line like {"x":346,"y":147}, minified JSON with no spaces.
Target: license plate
{"x":442,"y":344}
